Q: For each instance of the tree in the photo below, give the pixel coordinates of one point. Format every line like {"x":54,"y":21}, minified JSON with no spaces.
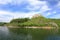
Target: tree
{"x":19,"y":20}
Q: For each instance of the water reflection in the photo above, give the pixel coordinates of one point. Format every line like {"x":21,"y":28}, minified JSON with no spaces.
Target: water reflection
{"x":4,"y":32}
{"x":27,"y":34}
{"x":20,"y":34}
{"x":53,"y":38}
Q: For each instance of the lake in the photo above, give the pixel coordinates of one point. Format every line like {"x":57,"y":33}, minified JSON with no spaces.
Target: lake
{"x":29,"y":34}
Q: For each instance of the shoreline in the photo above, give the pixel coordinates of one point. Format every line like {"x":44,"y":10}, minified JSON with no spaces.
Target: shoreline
{"x":35,"y":27}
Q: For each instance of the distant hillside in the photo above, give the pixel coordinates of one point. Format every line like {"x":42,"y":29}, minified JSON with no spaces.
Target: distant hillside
{"x":37,"y":20}
{"x":2,"y":23}
{"x":57,"y":21}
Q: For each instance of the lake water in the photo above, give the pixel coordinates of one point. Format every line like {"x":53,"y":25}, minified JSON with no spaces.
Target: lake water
{"x":29,"y":34}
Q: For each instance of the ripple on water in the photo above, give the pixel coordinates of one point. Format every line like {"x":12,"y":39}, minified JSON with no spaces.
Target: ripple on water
{"x":4,"y":31}
{"x":53,"y":38}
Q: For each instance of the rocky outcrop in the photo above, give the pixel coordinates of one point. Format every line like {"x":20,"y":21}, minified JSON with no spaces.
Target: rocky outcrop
{"x":36,"y":15}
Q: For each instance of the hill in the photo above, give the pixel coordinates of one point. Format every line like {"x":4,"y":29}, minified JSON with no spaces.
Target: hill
{"x":37,"y":21}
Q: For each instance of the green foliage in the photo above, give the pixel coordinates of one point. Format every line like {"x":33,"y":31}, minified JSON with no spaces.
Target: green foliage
{"x":19,"y":20}
{"x":2,"y":23}
{"x":57,"y":21}
{"x":37,"y":21}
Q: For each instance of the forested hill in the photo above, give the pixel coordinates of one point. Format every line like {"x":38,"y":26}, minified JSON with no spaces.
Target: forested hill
{"x":37,"y":20}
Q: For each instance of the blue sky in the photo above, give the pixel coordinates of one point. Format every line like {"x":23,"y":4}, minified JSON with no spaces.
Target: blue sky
{"x":10,"y":9}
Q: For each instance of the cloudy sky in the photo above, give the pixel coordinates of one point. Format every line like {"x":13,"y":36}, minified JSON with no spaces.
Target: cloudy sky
{"x":10,"y":9}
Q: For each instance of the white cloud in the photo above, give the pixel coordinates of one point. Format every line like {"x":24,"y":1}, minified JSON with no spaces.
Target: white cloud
{"x":54,"y":12}
{"x":33,"y":4}
{"x":57,"y":16}
{"x":5,"y":1}
{"x":41,"y":6}
{"x":45,"y":8}
{"x":58,"y":5}
{"x":11,"y":2}
{"x":48,"y":14}
{"x":7,"y":16}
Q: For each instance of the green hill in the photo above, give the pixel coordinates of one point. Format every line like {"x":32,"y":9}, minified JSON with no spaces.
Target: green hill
{"x":37,"y":21}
